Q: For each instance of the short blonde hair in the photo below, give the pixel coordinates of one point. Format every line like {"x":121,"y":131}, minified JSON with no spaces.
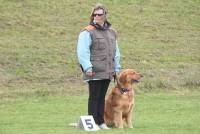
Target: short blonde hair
{"x":98,"y":6}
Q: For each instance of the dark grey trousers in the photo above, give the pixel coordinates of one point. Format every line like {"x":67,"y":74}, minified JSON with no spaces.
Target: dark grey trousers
{"x":96,"y":101}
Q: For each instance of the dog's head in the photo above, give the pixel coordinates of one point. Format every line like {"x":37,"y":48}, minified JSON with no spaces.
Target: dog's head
{"x":129,"y":76}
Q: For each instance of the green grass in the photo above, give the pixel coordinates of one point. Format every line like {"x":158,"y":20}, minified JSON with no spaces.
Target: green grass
{"x":154,"y":113}
{"x":38,"y":41}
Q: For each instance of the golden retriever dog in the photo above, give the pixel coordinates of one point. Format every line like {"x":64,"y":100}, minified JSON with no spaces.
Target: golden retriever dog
{"x":119,"y":103}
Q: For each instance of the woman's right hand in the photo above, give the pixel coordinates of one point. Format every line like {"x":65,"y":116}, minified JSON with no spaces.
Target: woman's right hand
{"x":90,"y":73}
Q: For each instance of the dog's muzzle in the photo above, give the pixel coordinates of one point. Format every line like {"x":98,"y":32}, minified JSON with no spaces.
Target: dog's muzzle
{"x":136,"y":81}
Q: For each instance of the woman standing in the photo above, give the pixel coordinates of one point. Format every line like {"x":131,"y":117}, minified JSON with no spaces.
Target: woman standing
{"x":99,"y":57}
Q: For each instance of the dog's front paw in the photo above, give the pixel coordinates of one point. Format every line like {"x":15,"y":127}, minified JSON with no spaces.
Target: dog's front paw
{"x":130,"y":126}
{"x":120,"y":127}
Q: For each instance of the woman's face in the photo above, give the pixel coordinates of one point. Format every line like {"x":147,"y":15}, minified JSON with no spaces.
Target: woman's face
{"x":99,"y":16}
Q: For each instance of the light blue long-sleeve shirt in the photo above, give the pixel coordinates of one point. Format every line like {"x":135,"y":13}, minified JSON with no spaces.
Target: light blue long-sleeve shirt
{"x":83,"y":52}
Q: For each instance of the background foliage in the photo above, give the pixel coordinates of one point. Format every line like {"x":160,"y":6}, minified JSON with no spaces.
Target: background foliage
{"x":38,"y":41}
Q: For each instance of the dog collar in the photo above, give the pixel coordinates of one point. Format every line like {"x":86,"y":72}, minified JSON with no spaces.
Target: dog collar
{"x":124,"y":90}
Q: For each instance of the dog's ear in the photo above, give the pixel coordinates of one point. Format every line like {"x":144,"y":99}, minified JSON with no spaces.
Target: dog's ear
{"x":122,"y":78}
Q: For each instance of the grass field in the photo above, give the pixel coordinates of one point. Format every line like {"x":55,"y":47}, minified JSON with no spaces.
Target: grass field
{"x":38,"y":40}
{"x":41,"y":88}
{"x":154,"y":113}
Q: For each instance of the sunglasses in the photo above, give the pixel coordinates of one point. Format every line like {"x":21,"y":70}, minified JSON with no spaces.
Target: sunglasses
{"x":94,"y":15}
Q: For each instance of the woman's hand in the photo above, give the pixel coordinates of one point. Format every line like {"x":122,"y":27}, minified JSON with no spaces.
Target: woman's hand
{"x":90,"y":73}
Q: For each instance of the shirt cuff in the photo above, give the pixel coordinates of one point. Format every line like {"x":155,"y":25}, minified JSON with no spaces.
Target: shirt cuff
{"x":117,"y":70}
{"x":88,"y":70}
